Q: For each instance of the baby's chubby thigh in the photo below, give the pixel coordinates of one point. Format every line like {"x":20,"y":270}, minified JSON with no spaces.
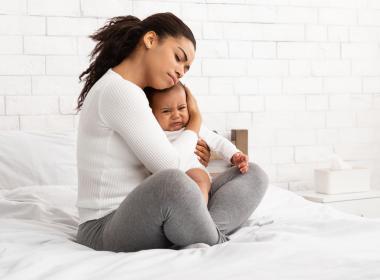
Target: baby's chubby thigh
{"x":202,"y":178}
{"x":198,"y":175}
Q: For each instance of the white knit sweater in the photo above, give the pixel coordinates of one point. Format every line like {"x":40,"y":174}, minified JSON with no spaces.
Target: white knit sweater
{"x":119,"y":144}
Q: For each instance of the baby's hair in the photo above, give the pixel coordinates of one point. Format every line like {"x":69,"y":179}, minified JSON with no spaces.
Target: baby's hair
{"x":150,"y":92}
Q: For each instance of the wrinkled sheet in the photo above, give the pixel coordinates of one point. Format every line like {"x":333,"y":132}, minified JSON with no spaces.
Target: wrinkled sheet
{"x":287,"y":237}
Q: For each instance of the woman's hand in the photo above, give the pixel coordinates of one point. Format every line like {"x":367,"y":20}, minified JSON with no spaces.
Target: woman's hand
{"x":202,"y":150}
{"x":192,"y":105}
{"x":241,"y":161}
{"x":195,"y":118}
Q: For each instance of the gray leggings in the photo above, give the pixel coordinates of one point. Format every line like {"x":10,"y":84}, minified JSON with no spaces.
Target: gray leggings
{"x":167,"y":210}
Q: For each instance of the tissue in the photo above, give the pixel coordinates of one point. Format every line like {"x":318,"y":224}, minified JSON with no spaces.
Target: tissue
{"x":341,"y":177}
{"x":337,"y":163}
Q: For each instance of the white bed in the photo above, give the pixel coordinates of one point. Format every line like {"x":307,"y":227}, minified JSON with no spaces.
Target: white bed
{"x":305,"y":240}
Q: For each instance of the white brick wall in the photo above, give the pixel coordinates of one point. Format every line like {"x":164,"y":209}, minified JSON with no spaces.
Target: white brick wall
{"x":54,"y":7}
{"x":303,"y":76}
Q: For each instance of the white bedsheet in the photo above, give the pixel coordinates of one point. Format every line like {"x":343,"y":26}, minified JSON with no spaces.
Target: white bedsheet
{"x":305,"y":241}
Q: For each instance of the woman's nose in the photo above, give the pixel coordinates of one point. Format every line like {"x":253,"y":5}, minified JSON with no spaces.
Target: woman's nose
{"x":180,"y":72}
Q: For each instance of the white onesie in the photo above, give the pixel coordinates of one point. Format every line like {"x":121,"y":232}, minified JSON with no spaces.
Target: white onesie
{"x":216,"y":142}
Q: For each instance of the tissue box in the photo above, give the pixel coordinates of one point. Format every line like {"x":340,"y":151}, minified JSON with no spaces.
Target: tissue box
{"x":329,"y":181}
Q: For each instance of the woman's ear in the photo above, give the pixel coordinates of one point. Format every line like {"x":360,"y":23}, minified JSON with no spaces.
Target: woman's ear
{"x":150,"y":38}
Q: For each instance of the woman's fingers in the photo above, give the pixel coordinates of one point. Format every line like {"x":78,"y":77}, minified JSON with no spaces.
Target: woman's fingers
{"x":202,"y":158}
{"x":203,"y":152}
{"x":203,"y":162}
{"x":192,"y":105}
{"x":203,"y":143}
{"x":201,"y":149}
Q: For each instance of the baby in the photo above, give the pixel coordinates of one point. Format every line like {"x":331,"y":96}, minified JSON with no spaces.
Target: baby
{"x":170,"y":109}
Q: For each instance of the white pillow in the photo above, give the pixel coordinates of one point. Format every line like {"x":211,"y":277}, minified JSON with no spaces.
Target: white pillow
{"x":37,"y":158}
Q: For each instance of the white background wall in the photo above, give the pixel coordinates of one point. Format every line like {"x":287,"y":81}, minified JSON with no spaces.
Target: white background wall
{"x":302,"y":75}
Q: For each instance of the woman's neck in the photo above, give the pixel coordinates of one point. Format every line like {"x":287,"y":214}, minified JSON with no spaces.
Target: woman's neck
{"x":132,"y":69}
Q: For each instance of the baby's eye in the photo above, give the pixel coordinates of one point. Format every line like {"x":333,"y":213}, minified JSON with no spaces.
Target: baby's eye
{"x":177,"y":58}
{"x":182,"y":108}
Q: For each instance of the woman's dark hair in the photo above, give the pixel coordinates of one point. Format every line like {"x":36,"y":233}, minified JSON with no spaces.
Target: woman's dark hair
{"x":118,"y":39}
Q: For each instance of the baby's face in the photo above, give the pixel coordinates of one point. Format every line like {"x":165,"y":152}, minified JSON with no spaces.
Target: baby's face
{"x":170,"y":108}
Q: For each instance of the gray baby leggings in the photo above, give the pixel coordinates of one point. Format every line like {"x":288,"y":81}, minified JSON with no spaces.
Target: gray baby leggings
{"x":167,"y":210}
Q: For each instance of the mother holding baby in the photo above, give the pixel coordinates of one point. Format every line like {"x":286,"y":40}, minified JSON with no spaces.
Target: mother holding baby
{"x":133,"y":189}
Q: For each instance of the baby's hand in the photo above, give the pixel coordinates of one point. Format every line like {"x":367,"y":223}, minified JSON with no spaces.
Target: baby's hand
{"x":241,"y":161}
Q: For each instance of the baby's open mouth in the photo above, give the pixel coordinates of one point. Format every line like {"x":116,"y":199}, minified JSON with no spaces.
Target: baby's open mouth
{"x":177,"y":125}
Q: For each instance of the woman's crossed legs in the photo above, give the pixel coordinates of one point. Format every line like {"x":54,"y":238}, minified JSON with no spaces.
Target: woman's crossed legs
{"x":168,"y":210}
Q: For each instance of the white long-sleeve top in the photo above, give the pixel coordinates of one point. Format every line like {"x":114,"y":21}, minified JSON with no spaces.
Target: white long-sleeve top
{"x":216,"y":143}
{"x":119,"y":144}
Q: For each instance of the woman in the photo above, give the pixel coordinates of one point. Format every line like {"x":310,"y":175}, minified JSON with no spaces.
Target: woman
{"x":133,"y":193}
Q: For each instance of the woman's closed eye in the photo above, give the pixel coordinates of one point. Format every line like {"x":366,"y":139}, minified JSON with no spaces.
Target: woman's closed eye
{"x":178,"y":59}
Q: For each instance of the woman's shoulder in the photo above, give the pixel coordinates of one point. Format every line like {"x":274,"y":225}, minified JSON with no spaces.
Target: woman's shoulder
{"x":114,"y":81}
{"x":114,"y":86}
{"x":117,"y":94}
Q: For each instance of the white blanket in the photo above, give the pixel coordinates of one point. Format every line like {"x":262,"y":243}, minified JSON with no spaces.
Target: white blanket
{"x":304,"y":241}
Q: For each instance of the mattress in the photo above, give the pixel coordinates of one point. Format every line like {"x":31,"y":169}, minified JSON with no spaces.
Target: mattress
{"x":287,"y":237}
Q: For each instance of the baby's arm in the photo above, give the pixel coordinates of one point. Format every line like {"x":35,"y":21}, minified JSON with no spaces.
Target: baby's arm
{"x":225,"y":148}
{"x":202,"y":179}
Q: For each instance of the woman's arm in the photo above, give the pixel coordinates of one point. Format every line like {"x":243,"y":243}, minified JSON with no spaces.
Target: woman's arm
{"x":202,"y":149}
{"x":125,"y":109}
{"x":195,"y":118}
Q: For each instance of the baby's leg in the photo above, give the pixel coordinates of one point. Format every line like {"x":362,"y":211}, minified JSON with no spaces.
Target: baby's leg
{"x":202,"y":179}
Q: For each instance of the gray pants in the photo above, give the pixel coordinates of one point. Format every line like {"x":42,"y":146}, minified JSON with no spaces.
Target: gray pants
{"x":167,"y":210}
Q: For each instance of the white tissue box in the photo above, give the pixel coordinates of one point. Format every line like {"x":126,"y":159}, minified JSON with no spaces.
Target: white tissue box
{"x":330,"y":181}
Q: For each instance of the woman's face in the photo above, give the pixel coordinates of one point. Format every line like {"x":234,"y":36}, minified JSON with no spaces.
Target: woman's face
{"x":168,"y":60}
